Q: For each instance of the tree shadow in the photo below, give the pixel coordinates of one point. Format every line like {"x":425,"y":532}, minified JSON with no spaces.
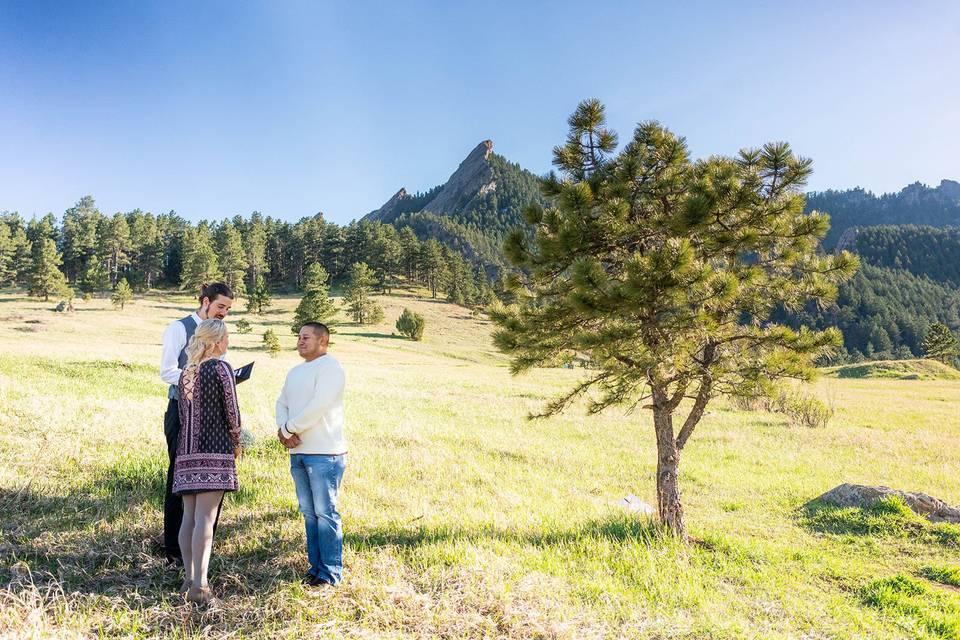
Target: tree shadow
{"x":92,"y":540}
{"x":618,"y":528}
{"x":372,"y":334}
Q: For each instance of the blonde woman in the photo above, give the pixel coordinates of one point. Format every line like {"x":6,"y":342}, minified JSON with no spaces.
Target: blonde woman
{"x":208,"y":447}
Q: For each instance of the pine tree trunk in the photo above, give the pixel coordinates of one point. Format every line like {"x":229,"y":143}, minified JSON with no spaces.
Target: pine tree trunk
{"x":668,"y":463}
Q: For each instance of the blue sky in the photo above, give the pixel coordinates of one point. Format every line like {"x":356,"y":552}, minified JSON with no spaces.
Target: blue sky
{"x":220,"y":108}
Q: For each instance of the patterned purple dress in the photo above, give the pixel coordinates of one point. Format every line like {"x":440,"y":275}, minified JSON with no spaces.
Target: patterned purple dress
{"x":209,"y":429}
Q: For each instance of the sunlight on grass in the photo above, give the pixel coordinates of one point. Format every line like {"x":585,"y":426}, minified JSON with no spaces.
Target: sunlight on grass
{"x":462,"y":518}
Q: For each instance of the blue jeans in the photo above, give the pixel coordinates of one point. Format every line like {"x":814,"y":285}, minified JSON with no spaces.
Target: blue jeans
{"x":317,"y":479}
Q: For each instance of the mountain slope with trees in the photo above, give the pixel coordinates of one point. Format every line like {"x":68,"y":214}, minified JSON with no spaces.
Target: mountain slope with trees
{"x":915,"y":204}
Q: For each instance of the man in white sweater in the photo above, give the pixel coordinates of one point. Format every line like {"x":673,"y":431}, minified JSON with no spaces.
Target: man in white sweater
{"x":310,"y":425}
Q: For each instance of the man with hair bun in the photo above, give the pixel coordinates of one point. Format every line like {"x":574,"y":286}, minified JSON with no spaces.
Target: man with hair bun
{"x":215,"y":301}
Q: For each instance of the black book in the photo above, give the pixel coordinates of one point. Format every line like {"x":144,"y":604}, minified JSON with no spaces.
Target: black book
{"x":243,"y":373}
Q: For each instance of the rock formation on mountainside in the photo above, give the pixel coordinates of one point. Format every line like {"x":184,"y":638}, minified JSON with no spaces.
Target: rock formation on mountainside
{"x":474,"y":177}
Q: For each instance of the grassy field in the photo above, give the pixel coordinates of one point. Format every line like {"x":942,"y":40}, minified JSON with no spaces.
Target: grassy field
{"x":462,"y":519}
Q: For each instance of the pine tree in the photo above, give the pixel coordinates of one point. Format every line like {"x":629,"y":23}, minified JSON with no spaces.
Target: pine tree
{"x":358,"y":294}
{"x":259,"y":297}
{"x":96,"y":277}
{"x":46,"y":279}
{"x":255,"y":240}
{"x":432,"y":265}
{"x":232,"y":258}
{"x":940,"y":343}
{"x":7,"y":251}
{"x":663,"y":272}
{"x":200,"y":264}
{"x":271,"y":342}
{"x":316,"y":304}
{"x":411,"y":324}
{"x":22,"y":256}
{"x":122,"y":294}
{"x":114,"y":241}
{"x":409,"y":252}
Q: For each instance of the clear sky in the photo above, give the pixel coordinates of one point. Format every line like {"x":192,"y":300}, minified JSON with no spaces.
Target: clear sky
{"x":217,"y":108}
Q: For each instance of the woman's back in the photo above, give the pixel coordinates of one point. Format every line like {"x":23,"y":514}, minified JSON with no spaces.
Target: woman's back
{"x":210,"y":429}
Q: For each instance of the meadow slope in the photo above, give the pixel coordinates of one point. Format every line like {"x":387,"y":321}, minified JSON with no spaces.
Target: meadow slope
{"x":462,"y":518}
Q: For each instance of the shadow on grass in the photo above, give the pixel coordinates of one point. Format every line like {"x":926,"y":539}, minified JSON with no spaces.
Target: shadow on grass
{"x":621,"y":528}
{"x":363,"y":334}
{"x":96,"y":538}
{"x":890,"y":518}
{"x":99,"y":537}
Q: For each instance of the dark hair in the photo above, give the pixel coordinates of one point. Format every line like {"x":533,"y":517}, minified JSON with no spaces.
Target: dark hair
{"x":213,"y":290}
{"x":318,"y":327}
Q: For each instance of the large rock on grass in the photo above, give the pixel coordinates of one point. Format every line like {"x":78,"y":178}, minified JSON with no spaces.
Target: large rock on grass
{"x":858,"y":495}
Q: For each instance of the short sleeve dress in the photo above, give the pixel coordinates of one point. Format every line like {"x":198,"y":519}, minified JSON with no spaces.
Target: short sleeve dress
{"x":209,"y":429}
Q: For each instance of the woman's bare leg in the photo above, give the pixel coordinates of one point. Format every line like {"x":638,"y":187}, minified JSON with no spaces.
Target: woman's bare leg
{"x":204,"y":516}
{"x":186,"y":534}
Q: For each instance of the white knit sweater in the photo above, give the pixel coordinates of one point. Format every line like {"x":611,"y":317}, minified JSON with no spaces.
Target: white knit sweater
{"x":311,"y":406}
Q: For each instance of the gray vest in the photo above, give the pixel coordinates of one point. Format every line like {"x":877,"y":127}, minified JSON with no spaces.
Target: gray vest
{"x":191,"y":326}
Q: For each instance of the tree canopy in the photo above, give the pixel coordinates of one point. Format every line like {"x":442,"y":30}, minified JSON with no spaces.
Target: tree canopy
{"x":663,"y":272}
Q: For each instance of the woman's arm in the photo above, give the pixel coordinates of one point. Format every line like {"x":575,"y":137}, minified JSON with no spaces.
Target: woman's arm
{"x":230,"y":407}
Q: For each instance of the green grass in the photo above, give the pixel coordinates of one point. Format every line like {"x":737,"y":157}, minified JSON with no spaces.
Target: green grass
{"x":889,"y":517}
{"x":920,"y":610}
{"x":943,"y":575}
{"x":462,"y":518}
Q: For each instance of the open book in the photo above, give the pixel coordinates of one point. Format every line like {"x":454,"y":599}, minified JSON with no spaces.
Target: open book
{"x":243,"y":373}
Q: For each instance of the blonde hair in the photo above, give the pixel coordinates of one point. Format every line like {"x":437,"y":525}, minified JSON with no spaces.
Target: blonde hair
{"x":208,"y":335}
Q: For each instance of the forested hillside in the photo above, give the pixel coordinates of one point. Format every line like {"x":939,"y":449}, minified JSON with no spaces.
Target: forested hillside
{"x":922,"y":250}
{"x":915,"y":204}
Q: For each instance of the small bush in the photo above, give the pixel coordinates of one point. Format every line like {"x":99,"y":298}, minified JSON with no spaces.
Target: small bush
{"x":271,"y":342}
{"x":374,"y":314}
{"x":243,"y":326}
{"x":802,"y":409}
{"x":411,"y":324}
{"x":808,"y":411}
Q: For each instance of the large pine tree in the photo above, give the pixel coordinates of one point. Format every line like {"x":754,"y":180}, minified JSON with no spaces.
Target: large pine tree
{"x":316,"y":304}
{"x":662,"y":272}
{"x":232,"y":258}
{"x":200,"y":264}
{"x":46,"y":279}
{"x":358,"y":295}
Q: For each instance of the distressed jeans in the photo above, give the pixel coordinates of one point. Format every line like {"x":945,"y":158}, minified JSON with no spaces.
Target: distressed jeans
{"x":317,"y":479}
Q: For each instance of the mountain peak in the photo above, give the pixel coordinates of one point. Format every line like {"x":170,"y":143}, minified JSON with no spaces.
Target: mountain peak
{"x":473,"y":177}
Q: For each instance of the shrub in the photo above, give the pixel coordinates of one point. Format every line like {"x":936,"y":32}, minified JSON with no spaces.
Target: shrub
{"x":802,"y":409}
{"x":243,"y":326}
{"x":271,"y":342}
{"x":808,"y":411}
{"x":411,"y":324}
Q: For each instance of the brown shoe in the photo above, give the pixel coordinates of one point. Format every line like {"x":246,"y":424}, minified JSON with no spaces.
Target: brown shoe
{"x":200,"y":595}
{"x":185,"y":587}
